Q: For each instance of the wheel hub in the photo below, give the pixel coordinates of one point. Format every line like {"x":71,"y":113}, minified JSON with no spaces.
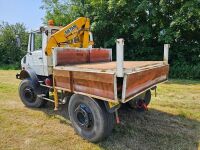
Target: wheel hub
{"x":141,"y":104}
{"x":29,"y":94}
{"x":84,"y":116}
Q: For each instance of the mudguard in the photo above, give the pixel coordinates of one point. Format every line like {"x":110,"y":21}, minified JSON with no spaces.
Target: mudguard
{"x":28,"y":73}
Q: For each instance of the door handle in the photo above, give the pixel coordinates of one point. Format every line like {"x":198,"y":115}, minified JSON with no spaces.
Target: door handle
{"x":40,"y":58}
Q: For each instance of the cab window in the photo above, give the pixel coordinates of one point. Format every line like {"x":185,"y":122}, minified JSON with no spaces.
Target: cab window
{"x":37,"y":41}
{"x":54,"y":31}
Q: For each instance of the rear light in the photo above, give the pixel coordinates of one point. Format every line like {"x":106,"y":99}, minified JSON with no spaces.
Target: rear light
{"x":48,"y":82}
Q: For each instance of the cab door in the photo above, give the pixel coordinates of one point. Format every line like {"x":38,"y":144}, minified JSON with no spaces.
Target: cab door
{"x":36,"y":54}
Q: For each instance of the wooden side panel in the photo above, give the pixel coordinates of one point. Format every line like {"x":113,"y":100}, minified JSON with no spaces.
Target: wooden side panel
{"x":62,"y":79}
{"x":79,"y":56}
{"x":98,"y":84}
{"x":139,"y":81}
{"x":100,"y":55}
{"x":94,"y":83}
{"x":72,"y":56}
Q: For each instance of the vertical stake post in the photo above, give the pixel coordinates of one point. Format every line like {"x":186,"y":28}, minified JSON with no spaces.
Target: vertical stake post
{"x":166,"y":52}
{"x":120,"y":57}
{"x":55,"y":92}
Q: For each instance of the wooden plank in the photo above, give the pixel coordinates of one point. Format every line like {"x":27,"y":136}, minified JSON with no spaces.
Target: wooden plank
{"x":101,"y":85}
{"x":94,"y":83}
{"x":139,"y":81}
{"x":133,"y":96}
{"x":62,"y":78}
{"x":72,"y":56}
{"x":69,"y":56}
{"x":100,"y":55}
{"x":112,"y":65}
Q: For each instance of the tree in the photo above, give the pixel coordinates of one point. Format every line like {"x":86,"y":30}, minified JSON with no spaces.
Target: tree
{"x":10,"y":53}
{"x":144,"y":24}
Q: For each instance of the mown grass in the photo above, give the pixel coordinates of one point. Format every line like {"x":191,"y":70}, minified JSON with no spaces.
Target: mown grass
{"x":172,"y":121}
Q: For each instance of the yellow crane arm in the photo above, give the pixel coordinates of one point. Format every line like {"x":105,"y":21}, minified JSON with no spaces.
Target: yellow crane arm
{"x":75,"y":34}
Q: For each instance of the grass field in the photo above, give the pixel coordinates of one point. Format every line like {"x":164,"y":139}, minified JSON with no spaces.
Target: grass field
{"x":172,"y":122}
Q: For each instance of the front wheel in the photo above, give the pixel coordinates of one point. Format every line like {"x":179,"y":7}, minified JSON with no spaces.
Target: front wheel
{"x":28,"y":94}
{"x":90,"y":118}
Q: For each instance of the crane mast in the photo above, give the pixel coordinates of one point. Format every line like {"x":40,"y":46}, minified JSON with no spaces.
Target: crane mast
{"x":75,"y":34}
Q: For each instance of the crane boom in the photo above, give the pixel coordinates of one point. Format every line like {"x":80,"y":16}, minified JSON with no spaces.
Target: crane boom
{"x":75,"y":34}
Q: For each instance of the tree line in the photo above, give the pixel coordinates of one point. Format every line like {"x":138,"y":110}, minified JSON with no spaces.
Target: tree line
{"x":145,"y":25}
{"x":10,"y":52}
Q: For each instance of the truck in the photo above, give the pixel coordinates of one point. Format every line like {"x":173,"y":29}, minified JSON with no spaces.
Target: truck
{"x":61,"y":66}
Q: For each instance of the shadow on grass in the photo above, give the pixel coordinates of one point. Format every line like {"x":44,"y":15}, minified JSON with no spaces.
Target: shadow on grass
{"x":152,"y":129}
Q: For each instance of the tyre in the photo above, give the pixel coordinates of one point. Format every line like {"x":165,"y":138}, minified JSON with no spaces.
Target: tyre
{"x":28,"y":94}
{"x":90,"y":118}
{"x":145,"y":97}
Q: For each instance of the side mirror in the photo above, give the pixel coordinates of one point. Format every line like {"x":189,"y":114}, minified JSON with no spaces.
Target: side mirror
{"x":18,"y":41}
{"x":46,"y":32}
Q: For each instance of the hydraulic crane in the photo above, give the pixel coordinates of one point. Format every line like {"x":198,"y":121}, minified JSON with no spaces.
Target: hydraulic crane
{"x":75,"y":34}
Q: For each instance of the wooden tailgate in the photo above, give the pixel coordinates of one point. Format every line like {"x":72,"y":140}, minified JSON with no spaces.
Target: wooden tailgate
{"x":137,"y":82}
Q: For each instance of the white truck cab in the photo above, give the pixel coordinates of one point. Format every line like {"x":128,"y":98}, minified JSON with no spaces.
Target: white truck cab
{"x":35,"y":58}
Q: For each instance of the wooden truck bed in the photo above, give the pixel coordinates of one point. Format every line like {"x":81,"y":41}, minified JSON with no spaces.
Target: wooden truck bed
{"x":99,"y":79}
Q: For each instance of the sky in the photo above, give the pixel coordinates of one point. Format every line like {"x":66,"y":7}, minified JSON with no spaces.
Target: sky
{"x":22,"y":11}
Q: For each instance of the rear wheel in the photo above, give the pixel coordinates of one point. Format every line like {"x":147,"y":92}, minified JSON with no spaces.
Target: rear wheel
{"x":90,"y":118}
{"x":141,"y":99}
{"x":28,"y":94}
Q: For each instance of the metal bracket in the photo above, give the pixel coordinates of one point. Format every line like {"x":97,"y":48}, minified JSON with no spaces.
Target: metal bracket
{"x":111,"y":107}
